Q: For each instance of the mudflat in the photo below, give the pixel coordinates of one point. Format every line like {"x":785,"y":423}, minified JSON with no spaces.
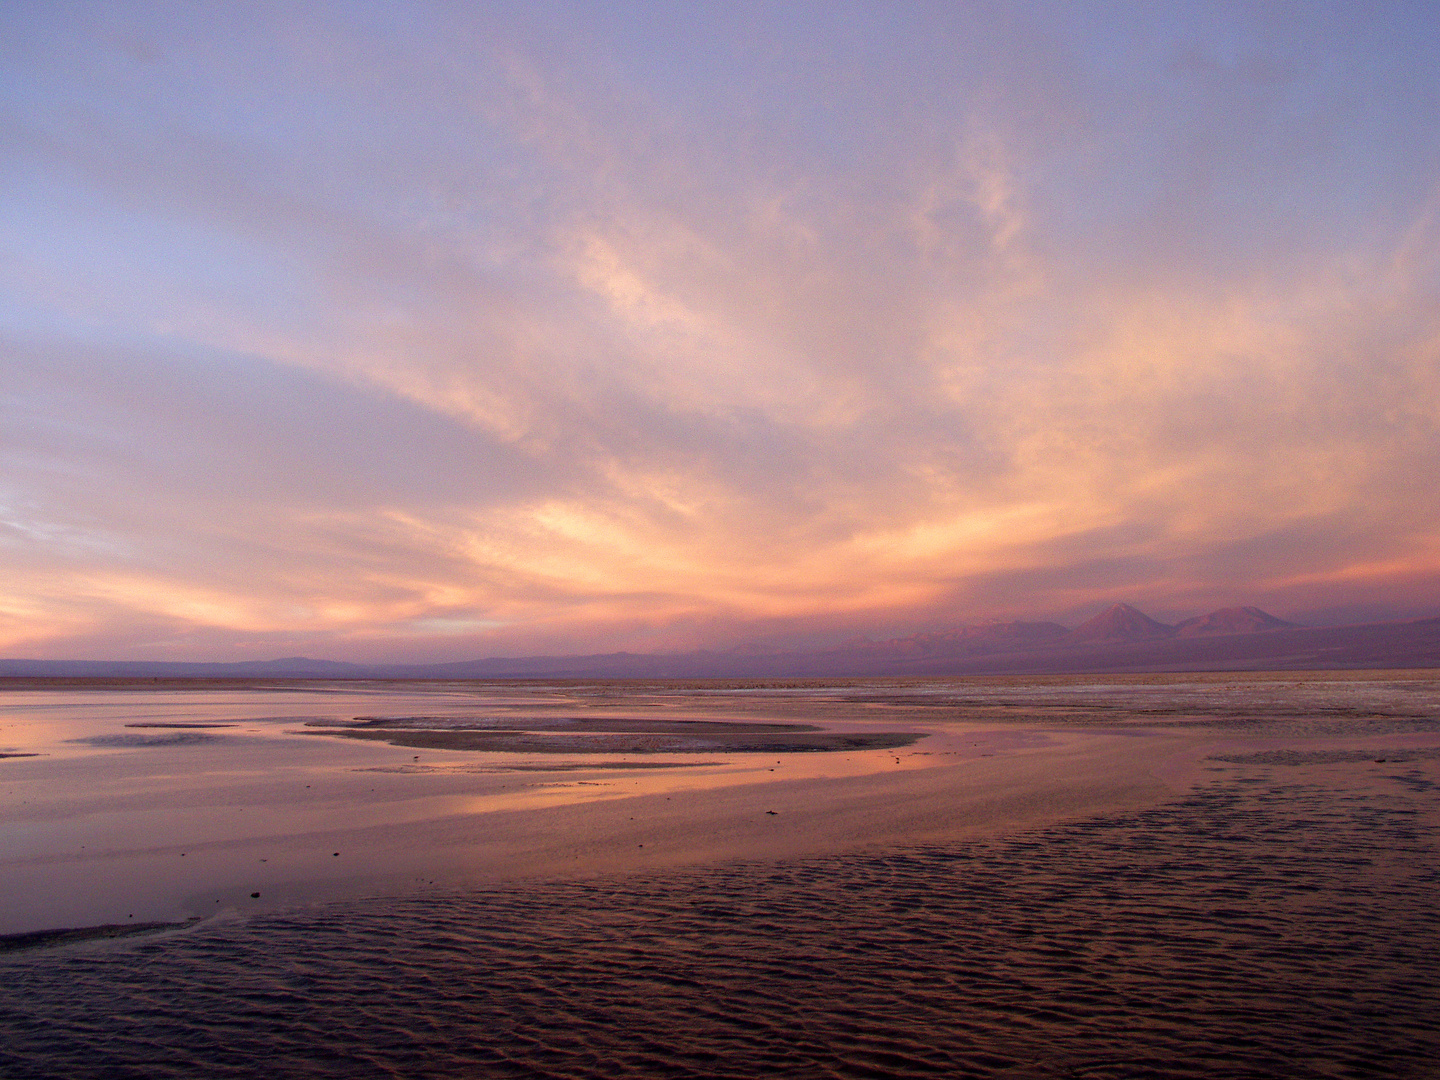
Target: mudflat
{"x":160,"y":805}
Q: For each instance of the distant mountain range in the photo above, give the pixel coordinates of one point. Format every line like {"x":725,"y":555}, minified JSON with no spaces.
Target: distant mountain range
{"x":1118,"y":639}
{"x":1118,"y":623}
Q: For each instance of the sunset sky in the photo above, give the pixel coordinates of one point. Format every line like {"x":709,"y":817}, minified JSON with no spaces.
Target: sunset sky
{"x":435,"y":331}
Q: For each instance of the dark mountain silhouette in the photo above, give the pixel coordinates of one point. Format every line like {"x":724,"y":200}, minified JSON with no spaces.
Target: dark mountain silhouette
{"x":294,"y":667}
{"x":1121,"y":622}
{"x":1232,"y":620}
{"x":1119,"y":639}
{"x":962,"y":640}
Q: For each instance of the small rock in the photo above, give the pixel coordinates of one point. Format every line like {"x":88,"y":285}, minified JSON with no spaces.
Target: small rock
{"x":254,"y":896}
{"x":773,"y":813}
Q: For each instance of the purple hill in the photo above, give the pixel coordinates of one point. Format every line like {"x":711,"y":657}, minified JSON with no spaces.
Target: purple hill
{"x":963,"y":640}
{"x":1121,"y":622}
{"x":1232,"y":620}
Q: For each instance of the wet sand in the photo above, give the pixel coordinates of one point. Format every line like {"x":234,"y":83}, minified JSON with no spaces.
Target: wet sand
{"x":1277,"y":920}
{"x":143,"y":807}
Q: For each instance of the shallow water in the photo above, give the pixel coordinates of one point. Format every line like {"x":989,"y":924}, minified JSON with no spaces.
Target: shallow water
{"x":1265,"y":925}
{"x":1278,"y":914}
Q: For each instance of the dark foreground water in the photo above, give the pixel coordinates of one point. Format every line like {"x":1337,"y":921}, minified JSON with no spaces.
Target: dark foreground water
{"x":1279,"y":922}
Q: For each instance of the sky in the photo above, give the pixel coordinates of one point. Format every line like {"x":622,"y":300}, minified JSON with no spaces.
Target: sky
{"x":433,"y":331}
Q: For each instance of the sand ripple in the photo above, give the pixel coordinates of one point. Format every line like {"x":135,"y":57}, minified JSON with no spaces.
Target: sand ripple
{"x":1269,"y":925}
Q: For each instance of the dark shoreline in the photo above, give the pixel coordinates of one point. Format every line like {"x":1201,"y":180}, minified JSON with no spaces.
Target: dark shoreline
{"x":630,"y":743}
{"x":47,"y":939}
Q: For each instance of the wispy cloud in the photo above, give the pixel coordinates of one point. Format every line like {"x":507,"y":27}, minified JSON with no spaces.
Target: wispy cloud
{"x":454,"y":333}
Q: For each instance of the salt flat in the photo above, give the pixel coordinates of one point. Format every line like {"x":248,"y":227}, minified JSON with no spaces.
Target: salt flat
{"x":161,"y":804}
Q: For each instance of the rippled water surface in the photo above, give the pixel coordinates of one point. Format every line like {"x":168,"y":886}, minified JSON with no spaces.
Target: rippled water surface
{"x":1282,"y":920}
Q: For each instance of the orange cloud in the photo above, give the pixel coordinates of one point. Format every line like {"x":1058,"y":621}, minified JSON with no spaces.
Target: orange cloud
{"x":519,"y":342}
